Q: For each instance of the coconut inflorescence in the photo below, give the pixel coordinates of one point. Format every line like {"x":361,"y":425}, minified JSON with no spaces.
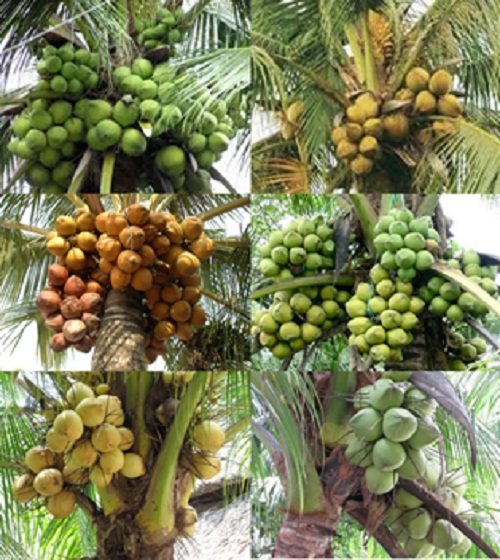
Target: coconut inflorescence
{"x":150,"y":252}
{"x":81,"y":445}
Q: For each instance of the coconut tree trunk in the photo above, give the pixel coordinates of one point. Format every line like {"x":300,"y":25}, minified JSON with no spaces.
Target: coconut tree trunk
{"x":121,"y":539}
{"x":120,"y":343}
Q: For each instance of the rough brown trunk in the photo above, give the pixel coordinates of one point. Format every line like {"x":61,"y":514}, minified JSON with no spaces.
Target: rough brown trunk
{"x":306,"y":536}
{"x":121,"y":539}
{"x":120,"y":344}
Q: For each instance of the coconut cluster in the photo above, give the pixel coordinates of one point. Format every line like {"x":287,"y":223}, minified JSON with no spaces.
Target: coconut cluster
{"x":357,"y":139}
{"x":86,"y":442}
{"x":296,"y":318}
{"x":385,"y":311}
{"x":140,"y":107}
{"x":165,"y":30}
{"x":367,"y":126}
{"x":290,"y":120}
{"x":151,"y":252}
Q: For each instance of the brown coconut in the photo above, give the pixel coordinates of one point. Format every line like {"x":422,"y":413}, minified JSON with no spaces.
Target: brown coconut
{"x":74,"y":286}
{"x":100,"y":277}
{"x":65,"y":226}
{"x":161,"y":245}
{"x":85,"y":221}
{"x":151,"y":354}
{"x":137,"y":214}
{"x":105,"y":265}
{"x":92,"y":322}
{"x":203,"y":247}
{"x":198,"y":316}
{"x":187,"y":263}
{"x":75,"y":476}
{"x":108,"y":248}
{"x":191,"y":294}
{"x":48,"y":482}
{"x":150,"y":232}
{"x":55,"y":322}
{"x":75,"y":259}
{"x":129,"y":261}
{"x":84,"y":345}
{"x":164,"y":330}
{"x":48,"y":302}
{"x":74,"y":330}
{"x":115,"y":223}
{"x":153,"y":294}
{"x":192,"y":227}
{"x":160,"y":310}
{"x":62,"y":504}
{"x":57,"y":274}
{"x":161,"y":278}
{"x":159,"y":220}
{"x":158,"y":344}
{"x":91,"y":302}
{"x":171,"y":293}
{"x":94,"y":287}
{"x":180,"y":311}
{"x":100,"y":222}
{"x":194,"y":280}
{"x":174,"y":232}
{"x":184,"y":331}
{"x":58,"y":246}
{"x":148,"y":255}
{"x":119,"y":279}
{"x":142,"y":280}
{"x":58,"y":342}
{"x":86,"y":241}
{"x":132,"y":237}
{"x":173,"y":254}
{"x":71,"y":307}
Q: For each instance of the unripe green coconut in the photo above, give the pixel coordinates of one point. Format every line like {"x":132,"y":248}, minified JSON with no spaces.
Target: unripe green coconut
{"x":399,"y":302}
{"x":126,"y":114}
{"x":171,"y":161}
{"x":375,"y":335}
{"x":76,"y":129}
{"x":356,"y":308}
{"x":388,"y":455}
{"x":331,"y":309}
{"x":426,"y":434}
{"x":57,"y":136}
{"x":359,"y":453}
{"x":444,"y":535}
{"x":133,"y":142}
{"x":289,"y":331}
{"x":282,"y":350}
{"x":62,"y":174}
{"x":48,"y":482}
{"x":377,"y":305}
{"x":419,"y":548}
{"x":419,"y":402}
{"x":309,"y":333}
{"x":21,"y":126}
{"x":293,"y":239}
{"x":39,"y":458}
{"x":315,"y":315}
{"x":36,"y":140}
{"x":386,"y":395}
{"x":300,"y":303}
{"x":399,"y":424}
{"x":367,"y":424}
{"x":454,"y":314}
{"x":359,"y":325}
{"x":58,"y":84}
{"x":417,"y":522}
{"x":97,"y":110}
{"x":69,"y":424}
{"x":405,"y":500}
{"x":142,"y":67}
{"x":362,"y":397}
{"x":108,"y":132}
{"x":282,"y":312}
{"x":280,"y":255}
{"x":394,"y":242}
{"x":397,"y":376}
{"x":147,"y":90}
{"x":377,"y":274}
{"x":380,"y":482}
{"x":267,"y":324}
{"x":414,"y":466}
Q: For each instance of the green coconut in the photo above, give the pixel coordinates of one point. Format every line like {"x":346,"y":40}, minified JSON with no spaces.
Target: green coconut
{"x":424,"y":260}
{"x":419,"y":402}
{"x":282,"y":350}
{"x":359,"y":453}
{"x":419,"y":548}
{"x":444,"y":535}
{"x":405,"y":500}
{"x":76,"y":129}
{"x":97,"y":110}
{"x":377,"y":305}
{"x":36,"y":140}
{"x":380,"y":482}
{"x":417,"y":305}
{"x":426,"y":434}
{"x":388,"y":455}
{"x":385,"y":288}
{"x":62,"y":174}
{"x":388,"y":261}
{"x":399,"y":302}
{"x":362,"y":397}
{"x":282,"y":312}
{"x":171,"y":161}
{"x":60,"y":111}
{"x":133,"y":142}
{"x":386,"y":395}
{"x":331,"y":308}
{"x":380,"y":353}
{"x":359,"y":325}
{"x":367,"y":424}
{"x":414,"y":466}
{"x":417,"y":522}
{"x":397,"y":375}
{"x":57,"y":136}
{"x":315,"y":315}
{"x":399,"y":424}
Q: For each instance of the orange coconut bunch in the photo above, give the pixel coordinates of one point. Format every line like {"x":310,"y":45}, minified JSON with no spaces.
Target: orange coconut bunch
{"x":151,"y":252}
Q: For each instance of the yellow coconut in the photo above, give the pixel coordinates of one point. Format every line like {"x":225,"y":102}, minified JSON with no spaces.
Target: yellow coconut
{"x":361,"y":165}
{"x":112,"y":406}
{"x":127,"y":438}
{"x":39,"y":458}
{"x":56,"y":441}
{"x":440,"y":82}
{"x":48,"y":482}
{"x":84,"y":454}
{"x":58,"y":246}
{"x":69,"y":424}
{"x":102,"y":389}
{"x":106,"y":437}
{"x":77,"y":392}
{"x":209,"y":436}
{"x":369,"y":105}
{"x":338,"y":133}
{"x":99,"y":477}
{"x":133,"y":466}
{"x":346,"y":150}
{"x":204,"y":465}
{"x":396,"y":126}
{"x":62,"y":504}
{"x":425,"y":103}
{"x":65,"y":226}
{"x":112,"y":461}
{"x":356,"y":114}
{"x":449,"y":106}
{"x":22,"y":488}
{"x":417,"y":79}
{"x":75,"y":476}
{"x":92,"y":412}
{"x":354,"y":132}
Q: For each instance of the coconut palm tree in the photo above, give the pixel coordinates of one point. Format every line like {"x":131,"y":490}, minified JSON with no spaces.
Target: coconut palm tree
{"x":303,"y":408}
{"x":196,"y":43}
{"x":138,"y":517}
{"x":27,"y":219}
{"x":313,"y":60}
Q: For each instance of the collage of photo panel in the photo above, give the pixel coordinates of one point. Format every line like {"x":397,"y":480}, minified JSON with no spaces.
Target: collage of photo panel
{"x":249,"y":279}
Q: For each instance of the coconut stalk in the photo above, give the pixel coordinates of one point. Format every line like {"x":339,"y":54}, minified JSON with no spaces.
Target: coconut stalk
{"x":344,"y":280}
{"x":372,"y":79}
{"x":224,"y":208}
{"x":158,"y":512}
{"x":367,"y":218}
{"x":137,"y":387}
{"x":351,"y":34}
{"x":108,"y":167}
